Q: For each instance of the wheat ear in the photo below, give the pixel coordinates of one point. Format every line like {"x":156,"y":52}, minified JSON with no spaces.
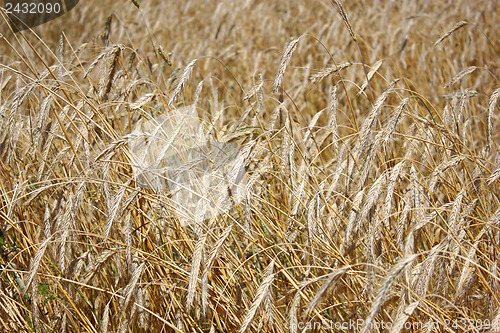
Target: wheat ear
{"x":285,"y":60}
{"x":185,"y":76}
{"x":195,"y":269}
{"x":403,"y":316}
{"x":452,"y":30}
{"x":262,"y":292}
{"x":491,"y":109}
{"x":460,"y":75}
{"x":386,"y":286}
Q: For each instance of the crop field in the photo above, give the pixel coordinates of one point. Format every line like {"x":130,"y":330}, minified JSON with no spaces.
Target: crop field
{"x":252,"y":166}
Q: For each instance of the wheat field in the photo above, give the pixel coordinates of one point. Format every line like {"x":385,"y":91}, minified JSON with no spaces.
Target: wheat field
{"x":369,"y":136}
